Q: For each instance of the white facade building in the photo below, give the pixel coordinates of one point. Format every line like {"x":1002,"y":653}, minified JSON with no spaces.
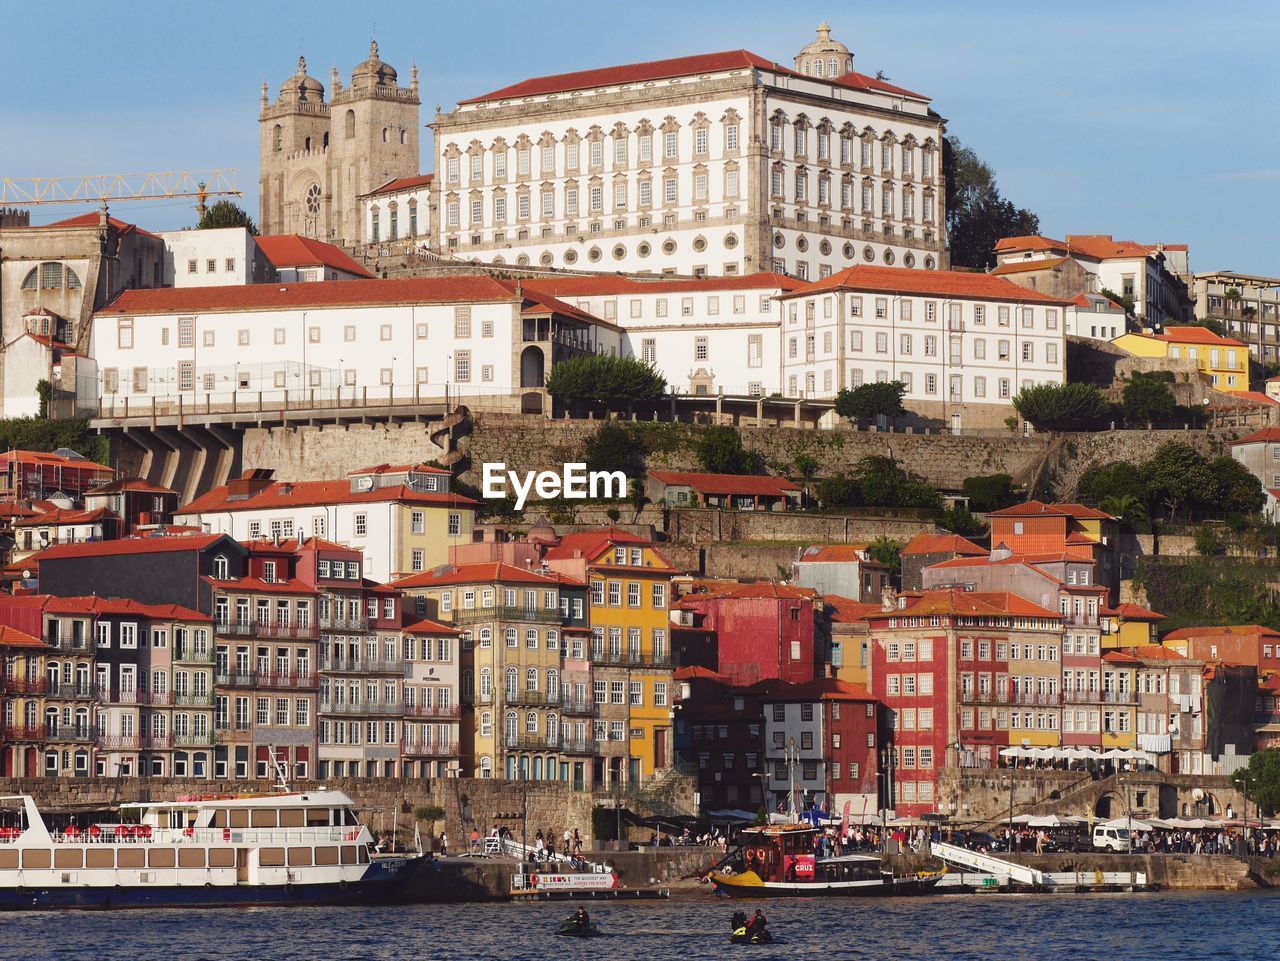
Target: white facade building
{"x":724,"y":163}
{"x":706,"y":336}
{"x":398,"y":214}
{"x":474,"y":339}
{"x":963,"y":344}
{"x":225,"y":256}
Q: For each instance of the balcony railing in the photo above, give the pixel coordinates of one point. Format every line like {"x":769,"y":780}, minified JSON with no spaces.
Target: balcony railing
{"x":207,"y":739}
{"x":25,"y":685}
{"x":531,"y":742}
{"x":362,"y":707}
{"x":534,"y":698}
{"x":200,"y":655}
{"x":248,"y":679}
{"x":68,"y":645}
{"x":24,"y":732}
{"x":70,"y":733}
{"x":289,"y":681}
{"x":1081,"y":697}
{"x":575,"y":745}
{"x":265,"y":629}
{"x":193,"y":700}
{"x":429,"y":748}
{"x":578,"y":708}
{"x":343,"y":624}
{"x":432,"y":710}
{"x":134,"y":696}
{"x":626,"y":659}
{"x":1014,"y":699}
{"x":363,"y":665}
{"x":529,"y":615}
{"x":78,"y":692}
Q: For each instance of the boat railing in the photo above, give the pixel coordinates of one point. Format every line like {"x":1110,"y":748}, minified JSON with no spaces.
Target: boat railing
{"x":146,"y":834}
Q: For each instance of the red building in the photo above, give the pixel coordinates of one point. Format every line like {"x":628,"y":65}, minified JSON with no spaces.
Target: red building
{"x":756,"y":632}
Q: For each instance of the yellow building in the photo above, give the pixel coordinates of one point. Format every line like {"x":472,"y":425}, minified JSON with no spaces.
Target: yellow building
{"x":630,"y":600}
{"x":22,"y":680}
{"x":1035,"y":673}
{"x":1129,"y":625}
{"x":1119,"y":699}
{"x":1223,"y":360}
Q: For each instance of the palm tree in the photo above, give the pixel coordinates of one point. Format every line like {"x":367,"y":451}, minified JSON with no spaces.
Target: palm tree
{"x":1127,"y":507}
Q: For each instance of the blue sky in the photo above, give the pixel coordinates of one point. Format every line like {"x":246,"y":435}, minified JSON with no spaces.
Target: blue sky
{"x":1151,"y":121}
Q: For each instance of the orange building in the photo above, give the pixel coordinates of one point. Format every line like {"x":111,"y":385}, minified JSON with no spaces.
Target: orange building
{"x":1039,"y":528}
{"x":1249,"y":644}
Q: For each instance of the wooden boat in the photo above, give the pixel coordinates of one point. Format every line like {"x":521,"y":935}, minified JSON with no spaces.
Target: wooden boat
{"x":199,"y":851}
{"x":779,"y":861}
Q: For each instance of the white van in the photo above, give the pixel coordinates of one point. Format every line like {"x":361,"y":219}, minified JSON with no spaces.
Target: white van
{"x":1112,"y":839}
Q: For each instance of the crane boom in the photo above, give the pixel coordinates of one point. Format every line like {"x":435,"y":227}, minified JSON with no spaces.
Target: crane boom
{"x":164,"y":185}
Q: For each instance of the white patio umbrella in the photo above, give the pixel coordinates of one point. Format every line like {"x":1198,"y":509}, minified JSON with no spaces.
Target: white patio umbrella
{"x":1013,"y":752}
{"x":1023,"y":818}
{"x":1133,"y":824}
{"x":1049,"y":821}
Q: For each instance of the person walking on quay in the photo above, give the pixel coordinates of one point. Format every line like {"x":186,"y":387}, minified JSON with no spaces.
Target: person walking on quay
{"x":577,"y":844}
{"x":444,"y":845}
{"x":538,"y":846}
{"x":475,"y":840}
{"x":1040,"y":842}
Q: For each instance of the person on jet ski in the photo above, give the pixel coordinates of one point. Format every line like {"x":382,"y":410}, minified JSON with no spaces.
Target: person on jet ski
{"x":756,"y":925}
{"x":739,"y":920}
{"x":581,"y":920}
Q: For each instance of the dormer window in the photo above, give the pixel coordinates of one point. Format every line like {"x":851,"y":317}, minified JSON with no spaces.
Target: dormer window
{"x":322,"y":568}
{"x":221,"y":568}
{"x":269,"y":571}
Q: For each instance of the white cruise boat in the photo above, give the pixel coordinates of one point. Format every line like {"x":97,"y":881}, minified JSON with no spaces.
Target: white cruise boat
{"x":200,"y":850}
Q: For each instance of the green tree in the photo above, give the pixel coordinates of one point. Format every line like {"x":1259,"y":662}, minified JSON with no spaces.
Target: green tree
{"x":887,"y":551}
{"x":1208,"y":542}
{"x":1176,"y":475}
{"x":605,"y":381}
{"x":1124,"y":300}
{"x":720,"y":451}
{"x":869,"y":401}
{"x":44,"y":393}
{"x":960,"y":521}
{"x":1147,"y":397}
{"x":1128,"y":507}
{"x":839,"y":491}
{"x":226,"y":214}
{"x":806,"y":468}
{"x":1059,"y":407}
{"x":882,"y":483}
{"x":1214,"y":325}
{"x":1116,"y":479}
{"x":977,"y":214}
{"x":1235,"y":489}
{"x":989,"y":493}
{"x":613,"y":447}
{"x":1259,"y":780}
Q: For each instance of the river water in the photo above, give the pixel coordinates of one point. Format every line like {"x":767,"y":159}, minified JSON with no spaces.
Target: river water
{"x":1165,"y":926}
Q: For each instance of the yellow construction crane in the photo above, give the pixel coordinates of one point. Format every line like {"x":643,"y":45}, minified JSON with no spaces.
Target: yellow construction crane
{"x":165,"y":185}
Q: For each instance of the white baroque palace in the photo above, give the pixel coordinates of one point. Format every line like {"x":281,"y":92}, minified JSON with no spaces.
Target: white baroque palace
{"x":722,"y":163}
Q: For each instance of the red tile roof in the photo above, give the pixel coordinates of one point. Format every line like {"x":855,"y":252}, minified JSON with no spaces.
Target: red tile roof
{"x":939,"y":283}
{"x":668,"y":69}
{"x":759,"y":589}
{"x":1028,"y":242}
{"x":1155,"y":652}
{"x":605,"y":284}
{"x":1226,"y":630}
{"x":259,"y":586}
{"x":488,"y":572}
{"x":132,"y":545}
{"x":1267,"y":435}
{"x":846,"y":611}
{"x":834,"y":554}
{"x":314,"y":493}
{"x":96,"y":605}
{"x":12,"y":637}
{"x":1135,"y":612}
{"x":294,"y":250}
{"x":1120,"y":657}
{"x":699,"y":674}
{"x":397,"y":469}
{"x":1093,"y":246}
{"x":401,"y":184}
{"x":969,"y":603}
{"x":459,"y":289}
{"x":743,"y":484}
{"x":91,"y":220}
{"x":37,"y":458}
{"x":943,"y":544}
{"x":1041,"y":509}
{"x":1026,"y":266}
{"x":1194,"y":335}
{"x":133,"y":484}
{"x":589,"y":544}
{"x":426,"y":626}
{"x":62,"y":517}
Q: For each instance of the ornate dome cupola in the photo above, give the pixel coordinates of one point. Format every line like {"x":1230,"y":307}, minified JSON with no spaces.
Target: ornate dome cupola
{"x":824,"y":57}
{"x":301,"y":87}
{"x":373,"y":72}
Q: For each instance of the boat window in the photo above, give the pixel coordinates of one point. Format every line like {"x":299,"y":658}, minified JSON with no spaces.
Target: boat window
{"x":349,"y":817}
{"x":239,"y":817}
{"x":100,"y":858}
{"x":364,"y":855}
{"x":348,"y":854}
{"x":317,"y":817}
{"x":68,"y":858}
{"x":9,"y":859}
{"x":263,"y":817}
{"x":190,"y":857}
{"x":162,"y":858}
{"x":292,"y":817}
{"x":327,"y":855}
{"x":271,"y":858}
{"x":299,"y":857}
{"x":36,"y":858}
{"x":220,"y":818}
{"x":222,"y":857}
{"x":131,"y":857}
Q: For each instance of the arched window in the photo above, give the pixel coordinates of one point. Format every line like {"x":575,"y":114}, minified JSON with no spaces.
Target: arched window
{"x":277,"y":136}
{"x":553,"y":639}
{"x":486,"y":637}
{"x":468,"y":682}
{"x":833,"y":68}
{"x":818,"y":69}
{"x":486,"y":724}
{"x":32,"y":280}
{"x":386,"y":135}
{"x":325,"y":140}
{"x":306,"y":144}
{"x":553,"y":728}
{"x":512,"y":726}
{"x":553,"y":684}
{"x":531,"y":679}
{"x":531,"y":638}
{"x":486,"y":767}
{"x":51,"y":276}
{"x":486,"y":683}
{"x":512,"y":637}
{"x":349,"y":124}
{"x":221,"y":568}
{"x":513,"y":682}
{"x":73,"y":281}
{"x":404,"y":137}
{"x":531,"y":722}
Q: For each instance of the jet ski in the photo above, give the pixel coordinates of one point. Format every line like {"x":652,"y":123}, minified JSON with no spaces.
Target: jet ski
{"x":570,"y":928}
{"x":740,"y":936}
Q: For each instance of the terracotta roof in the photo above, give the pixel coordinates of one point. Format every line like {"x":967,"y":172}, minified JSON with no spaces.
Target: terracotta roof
{"x":942,"y":544}
{"x":940,"y":283}
{"x":96,"y":605}
{"x":759,"y":589}
{"x":1227,"y":630}
{"x":459,"y":289}
{"x":744,"y":484}
{"x":1026,"y":266}
{"x":294,"y":250}
{"x":12,"y":637}
{"x":133,"y":545}
{"x":1267,"y":435}
{"x":821,"y":689}
{"x":91,"y":220}
{"x":667,"y":69}
{"x":605,"y":284}
{"x":313,"y":493}
{"x":846,"y":611}
{"x":425,"y":626}
{"x":401,"y":184}
{"x":259,"y":586}
{"x":39,"y":458}
{"x":1028,"y":242}
{"x":589,"y":544}
{"x":51,"y":343}
{"x":1093,"y":246}
{"x":696,"y":673}
{"x":61,"y":517}
{"x":130,"y":484}
{"x":489,"y":572}
{"x":1155,"y":652}
{"x":291,"y":545}
{"x":835,"y":554}
{"x":1194,"y":335}
{"x":1041,"y":509}
{"x":1120,"y":657}
{"x":14,"y":509}
{"x":1135,"y":612}
{"x":972,"y":603}
{"x":1252,"y":397}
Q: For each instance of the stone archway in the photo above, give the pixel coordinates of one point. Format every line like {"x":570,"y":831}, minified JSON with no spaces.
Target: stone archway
{"x":1105,"y":806}
{"x":532,"y":367}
